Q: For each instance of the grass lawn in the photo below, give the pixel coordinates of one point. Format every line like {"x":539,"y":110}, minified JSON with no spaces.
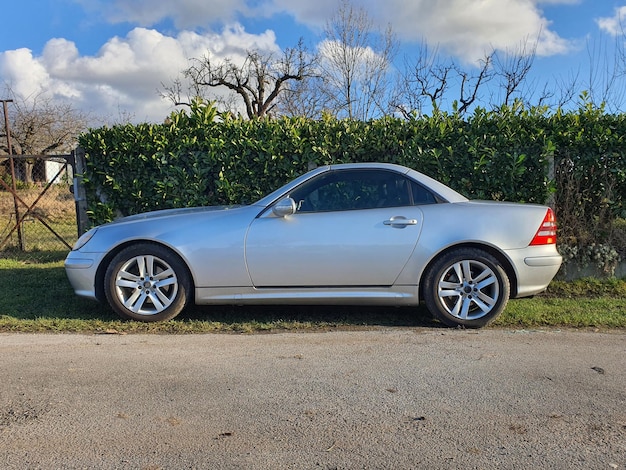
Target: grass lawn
{"x":36,"y":297}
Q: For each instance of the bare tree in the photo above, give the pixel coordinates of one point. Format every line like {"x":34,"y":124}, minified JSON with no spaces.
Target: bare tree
{"x":354,"y":63}
{"x":425,"y":81}
{"x":304,"y":98}
{"x":607,"y":68}
{"x":513,"y":68}
{"x":429,"y":81}
{"x":257,"y":82}
{"x":40,"y":126}
{"x":471,"y":83}
{"x":559,"y":92}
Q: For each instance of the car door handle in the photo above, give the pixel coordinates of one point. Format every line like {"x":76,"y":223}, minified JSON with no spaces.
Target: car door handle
{"x":400,"y":222}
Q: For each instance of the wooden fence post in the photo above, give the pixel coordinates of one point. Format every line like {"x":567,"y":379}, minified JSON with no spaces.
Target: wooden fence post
{"x":80,"y":198}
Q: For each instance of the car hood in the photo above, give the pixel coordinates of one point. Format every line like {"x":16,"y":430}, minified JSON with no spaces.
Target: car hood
{"x":160,"y":214}
{"x":169,"y":226}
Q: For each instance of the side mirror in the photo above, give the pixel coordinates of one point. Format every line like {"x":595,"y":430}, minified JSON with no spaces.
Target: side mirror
{"x":285,"y":207}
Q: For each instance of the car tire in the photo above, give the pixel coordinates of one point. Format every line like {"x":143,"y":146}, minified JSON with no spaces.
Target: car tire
{"x":466,"y":287}
{"x":147,"y":282}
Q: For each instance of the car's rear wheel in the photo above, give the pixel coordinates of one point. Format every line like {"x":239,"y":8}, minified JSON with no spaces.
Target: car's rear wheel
{"x":466,"y":287}
{"x":147,"y":282}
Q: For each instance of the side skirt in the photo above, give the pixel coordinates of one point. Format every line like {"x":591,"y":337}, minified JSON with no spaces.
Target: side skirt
{"x":395,"y":295}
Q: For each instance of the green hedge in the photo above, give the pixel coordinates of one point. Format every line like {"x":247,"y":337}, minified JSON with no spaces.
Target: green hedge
{"x":572,"y":160}
{"x":201,"y":158}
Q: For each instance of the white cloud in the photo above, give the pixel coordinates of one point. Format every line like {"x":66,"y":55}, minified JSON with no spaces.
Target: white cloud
{"x":23,"y":73}
{"x":125,"y":75}
{"x":558,"y":2}
{"x":614,"y":25}
{"x":185,"y":14}
{"x":469,"y":30}
{"x":126,"y":72}
{"x":466,"y":29}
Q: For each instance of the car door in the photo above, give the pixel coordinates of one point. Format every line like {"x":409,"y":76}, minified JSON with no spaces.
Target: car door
{"x":352,"y":228}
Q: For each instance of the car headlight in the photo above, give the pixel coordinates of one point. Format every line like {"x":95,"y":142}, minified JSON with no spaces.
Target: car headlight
{"x":84,"y":238}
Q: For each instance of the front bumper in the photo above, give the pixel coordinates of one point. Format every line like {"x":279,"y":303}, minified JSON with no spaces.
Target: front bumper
{"x":81,"y":270}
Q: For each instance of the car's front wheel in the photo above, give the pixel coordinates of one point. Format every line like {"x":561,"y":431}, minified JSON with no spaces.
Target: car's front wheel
{"x":466,"y":287}
{"x":147,"y":282}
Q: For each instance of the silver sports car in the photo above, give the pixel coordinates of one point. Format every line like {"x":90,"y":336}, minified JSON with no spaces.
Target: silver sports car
{"x":376,"y":234}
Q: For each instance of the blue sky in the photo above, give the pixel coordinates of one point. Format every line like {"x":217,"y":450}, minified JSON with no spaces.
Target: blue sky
{"x":109,"y":57}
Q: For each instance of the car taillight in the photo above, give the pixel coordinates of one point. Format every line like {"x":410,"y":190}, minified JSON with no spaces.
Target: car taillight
{"x":546,"y":235}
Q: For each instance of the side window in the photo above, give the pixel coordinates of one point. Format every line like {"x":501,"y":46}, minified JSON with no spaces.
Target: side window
{"x":343,"y":190}
{"x":421,"y":195}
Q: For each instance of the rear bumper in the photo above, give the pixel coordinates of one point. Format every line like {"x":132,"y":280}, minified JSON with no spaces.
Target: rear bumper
{"x":535,"y":267}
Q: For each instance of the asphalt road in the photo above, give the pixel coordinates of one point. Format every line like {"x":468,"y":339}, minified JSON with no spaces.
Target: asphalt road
{"x":391,"y":398}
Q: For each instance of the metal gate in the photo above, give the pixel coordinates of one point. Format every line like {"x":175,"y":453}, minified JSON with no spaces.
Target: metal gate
{"x":38,"y":210}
